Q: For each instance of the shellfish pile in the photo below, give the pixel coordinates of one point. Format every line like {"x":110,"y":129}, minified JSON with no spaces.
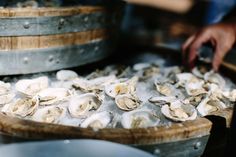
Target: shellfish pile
{"x":138,"y":96}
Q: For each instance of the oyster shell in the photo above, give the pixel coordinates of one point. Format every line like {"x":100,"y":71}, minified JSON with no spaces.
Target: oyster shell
{"x":230,"y":95}
{"x":194,"y":89}
{"x":98,"y":120}
{"x":178,"y":111}
{"x":185,"y":78}
{"x":30,"y":87}
{"x":209,"y":105}
{"x":161,"y":100}
{"x":165,"y":89}
{"x":216,"y":78}
{"x":141,"y":118}
{"x":66,"y":75}
{"x":97,"y":84}
{"x":22,"y":107}
{"x":127,"y":87}
{"x":82,"y":104}
{"x":146,"y":70}
{"x":199,"y":71}
{"x":127,"y":102}
{"x":49,"y":114}
{"x":50,"y":96}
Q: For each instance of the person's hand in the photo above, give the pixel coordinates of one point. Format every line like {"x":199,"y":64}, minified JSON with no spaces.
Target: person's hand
{"x":221,"y":36}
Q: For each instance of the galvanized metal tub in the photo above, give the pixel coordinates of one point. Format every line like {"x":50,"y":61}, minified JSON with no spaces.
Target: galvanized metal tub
{"x":45,"y":39}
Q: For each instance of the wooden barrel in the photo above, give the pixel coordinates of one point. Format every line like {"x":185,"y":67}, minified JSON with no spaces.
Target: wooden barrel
{"x":44,"y":39}
{"x":179,"y":139}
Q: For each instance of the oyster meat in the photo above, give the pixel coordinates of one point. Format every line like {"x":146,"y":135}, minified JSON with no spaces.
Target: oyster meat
{"x":21,"y":107}
{"x":80,"y":105}
{"x":127,"y":102}
{"x":177,"y":111}
{"x":141,"y":118}
{"x":98,"y":120}
{"x":30,"y":87}
{"x":49,"y":114}
{"x":51,"y":96}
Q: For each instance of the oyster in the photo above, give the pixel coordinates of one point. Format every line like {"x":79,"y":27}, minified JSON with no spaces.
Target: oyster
{"x":22,"y":107}
{"x":194,"y":89}
{"x":185,"y":78}
{"x":146,"y":70}
{"x":49,"y":114}
{"x":50,"y":96}
{"x":141,"y":118}
{"x":162,"y":100}
{"x":165,"y":88}
{"x":98,"y":120}
{"x":199,"y":71}
{"x":97,"y":84}
{"x":209,"y":105}
{"x":216,"y":78}
{"x":178,"y":111}
{"x":127,"y":102}
{"x":66,"y":75}
{"x":30,"y":87}
{"x":230,"y":95}
{"x":127,"y":87}
{"x":82,"y":104}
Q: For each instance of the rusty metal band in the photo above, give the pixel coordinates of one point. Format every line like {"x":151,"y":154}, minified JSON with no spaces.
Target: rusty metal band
{"x":55,"y":24}
{"x":49,"y":59}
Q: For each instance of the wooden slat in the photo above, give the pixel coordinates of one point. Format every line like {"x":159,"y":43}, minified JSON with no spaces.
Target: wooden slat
{"x":60,"y":11}
{"x":175,"y":132}
{"x":34,"y":42}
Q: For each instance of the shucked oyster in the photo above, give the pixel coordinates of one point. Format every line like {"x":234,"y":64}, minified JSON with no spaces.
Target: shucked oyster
{"x":98,"y":120}
{"x":22,"y":107}
{"x":97,"y":84}
{"x":31,"y":87}
{"x":50,"y":96}
{"x":162,"y":100}
{"x":82,"y":104}
{"x":178,"y":111}
{"x":127,"y":87}
{"x":49,"y":114}
{"x":165,"y":88}
{"x":209,"y":105}
{"x":127,"y":102}
{"x":4,"y":87}
{"x":141,"y":118}
{"x":216,"y":78}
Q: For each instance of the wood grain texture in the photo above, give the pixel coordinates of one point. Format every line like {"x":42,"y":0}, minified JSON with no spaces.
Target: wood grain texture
{"x":49,"y":41}
{"x":154,"y":135}
{"x":50,"y":11}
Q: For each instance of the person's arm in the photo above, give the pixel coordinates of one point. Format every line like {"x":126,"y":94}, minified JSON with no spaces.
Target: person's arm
{"x":221,"y":36}
{"x":179,"y":6}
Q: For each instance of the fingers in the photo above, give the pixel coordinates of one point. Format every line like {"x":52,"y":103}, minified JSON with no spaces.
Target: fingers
{"x":191,"y":46}
{"x":219,"y":56}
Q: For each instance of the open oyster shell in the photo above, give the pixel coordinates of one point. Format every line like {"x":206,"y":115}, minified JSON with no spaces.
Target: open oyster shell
{"x":98,"y":120}
{"x":209,"y":105}
{"x":49,"y":114}
{"x":82,"y":104}
{"x":216,"y":78}
{"x":177,"y":111}
{"x":127,"y":87}
{"x":30,"y":87}
{"x":127,"y":102}
{"x":141,"y":118}
{"x":51,"y":96}
{"x":21,"y":107}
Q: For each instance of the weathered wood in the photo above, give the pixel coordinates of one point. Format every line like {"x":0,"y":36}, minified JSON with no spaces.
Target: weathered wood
{"x":57,"y":40}
{"x":50,"y":11}
{"x":154,"y":135}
